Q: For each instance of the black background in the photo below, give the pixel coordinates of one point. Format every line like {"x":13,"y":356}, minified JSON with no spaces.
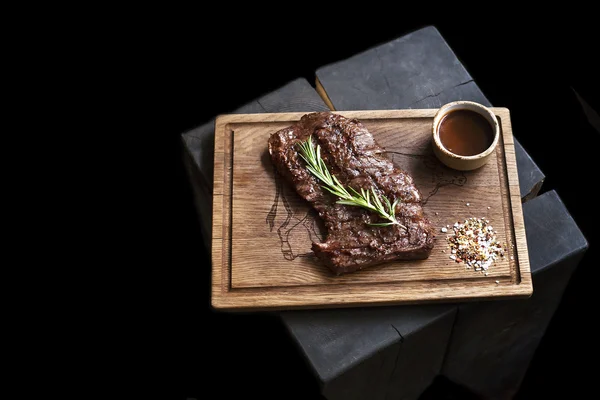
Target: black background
{"x":186,"y":70}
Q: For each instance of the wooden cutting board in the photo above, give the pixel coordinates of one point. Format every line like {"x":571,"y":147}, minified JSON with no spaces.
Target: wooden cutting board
{"x":262,"y":230}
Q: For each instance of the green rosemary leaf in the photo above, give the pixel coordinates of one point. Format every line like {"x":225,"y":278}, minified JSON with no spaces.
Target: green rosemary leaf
{"x":349,"y":202}
{"x":316,"y":166}
{"x":334,"y":191}
{"x":376,"y":200}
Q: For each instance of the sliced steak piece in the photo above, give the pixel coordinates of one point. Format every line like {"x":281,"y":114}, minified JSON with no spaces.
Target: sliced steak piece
{"x":352,"y":155}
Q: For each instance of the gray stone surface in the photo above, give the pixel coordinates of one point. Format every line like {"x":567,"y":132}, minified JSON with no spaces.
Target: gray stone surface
{"x":348,"y":348}
{"x":379,"y":352}
{"x":493,"y":342}
{"x":418,"y":70}
{"x":374,"y":353}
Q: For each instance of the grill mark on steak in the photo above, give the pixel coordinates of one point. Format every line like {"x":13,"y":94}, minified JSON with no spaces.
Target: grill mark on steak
{"x":354,"y":157}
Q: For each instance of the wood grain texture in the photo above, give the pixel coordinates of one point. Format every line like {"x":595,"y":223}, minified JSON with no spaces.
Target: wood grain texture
{"x":262,"y":230}
{"x":198,"y":143}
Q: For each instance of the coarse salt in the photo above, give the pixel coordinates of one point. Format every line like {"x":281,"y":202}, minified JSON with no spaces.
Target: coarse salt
{"x":474,"y":243}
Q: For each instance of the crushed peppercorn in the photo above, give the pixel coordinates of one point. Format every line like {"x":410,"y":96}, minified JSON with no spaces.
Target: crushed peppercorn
{"x":474,"y":243}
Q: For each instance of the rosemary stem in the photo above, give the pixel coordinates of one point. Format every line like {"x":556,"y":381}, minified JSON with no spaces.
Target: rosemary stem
{"x":316,"y":165}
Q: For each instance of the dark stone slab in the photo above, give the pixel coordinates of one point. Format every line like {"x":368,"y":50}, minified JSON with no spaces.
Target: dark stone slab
{"x":418,"y":70}
{"x":352,"y":350}
{"x":198,"y":143}
{"x":493,"y":342}
{"x":373,"y":353}
{"x":531,"y":178}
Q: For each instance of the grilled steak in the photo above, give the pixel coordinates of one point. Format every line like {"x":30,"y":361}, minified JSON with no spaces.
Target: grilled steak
{"x":352,"y":155}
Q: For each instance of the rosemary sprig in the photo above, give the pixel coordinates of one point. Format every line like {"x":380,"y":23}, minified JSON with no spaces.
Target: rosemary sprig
{"x":366,"y":199}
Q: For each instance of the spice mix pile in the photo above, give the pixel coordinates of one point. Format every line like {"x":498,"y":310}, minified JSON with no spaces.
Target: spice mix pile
{"x":474,"y":243}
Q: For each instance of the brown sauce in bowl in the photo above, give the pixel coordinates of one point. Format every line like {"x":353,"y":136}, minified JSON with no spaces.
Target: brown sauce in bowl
{"x":465,"y":132}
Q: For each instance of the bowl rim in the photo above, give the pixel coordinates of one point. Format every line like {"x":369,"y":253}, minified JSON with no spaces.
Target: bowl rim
{"x":466,"y":105}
